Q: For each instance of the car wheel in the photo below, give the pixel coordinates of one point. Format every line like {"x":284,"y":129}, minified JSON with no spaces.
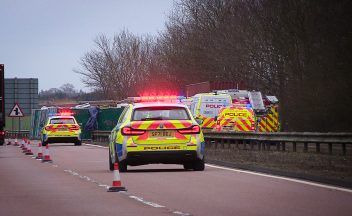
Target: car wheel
{"x":111,"y":165}
{"x":188,"y":166}
{"x":78,"y":143}
{"x":122,"y":166}
{"x":198,"y":165}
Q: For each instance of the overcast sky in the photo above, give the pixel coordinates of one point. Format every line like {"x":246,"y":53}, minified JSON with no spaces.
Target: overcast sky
{"x":46,"y":38}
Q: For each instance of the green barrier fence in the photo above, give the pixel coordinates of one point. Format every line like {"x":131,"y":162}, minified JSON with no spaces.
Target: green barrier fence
{"x":107,"y":119}
{"x":13,"y":124}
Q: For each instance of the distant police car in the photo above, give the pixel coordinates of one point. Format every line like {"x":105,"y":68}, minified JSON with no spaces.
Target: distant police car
{"x":62,"y":128}
{"x":156,"y":132}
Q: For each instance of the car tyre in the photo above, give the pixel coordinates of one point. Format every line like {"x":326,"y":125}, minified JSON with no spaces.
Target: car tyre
{"x":188,"y":166}
{"x":199,"y":165}
{"x":78,"y":143}
{"x":111,"y":164}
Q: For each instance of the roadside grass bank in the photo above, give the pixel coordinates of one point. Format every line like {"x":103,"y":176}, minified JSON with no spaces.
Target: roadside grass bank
{"x":324,"y":168}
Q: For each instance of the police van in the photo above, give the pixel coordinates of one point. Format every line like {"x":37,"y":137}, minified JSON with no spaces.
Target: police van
{"x":206,"y":106}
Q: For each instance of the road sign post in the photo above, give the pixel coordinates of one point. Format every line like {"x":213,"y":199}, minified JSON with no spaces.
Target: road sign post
{"x":16,"y":112}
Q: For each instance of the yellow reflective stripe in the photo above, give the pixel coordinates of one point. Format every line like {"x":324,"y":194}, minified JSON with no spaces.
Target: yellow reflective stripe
{"x":145,"y":125}
{"x":243,"y":126}
{"x":198,"y":106}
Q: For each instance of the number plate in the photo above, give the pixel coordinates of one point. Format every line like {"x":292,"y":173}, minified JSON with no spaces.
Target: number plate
{"x":161,"y":133}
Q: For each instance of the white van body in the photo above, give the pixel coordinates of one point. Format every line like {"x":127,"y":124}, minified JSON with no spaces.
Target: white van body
{"x":206,"y":106}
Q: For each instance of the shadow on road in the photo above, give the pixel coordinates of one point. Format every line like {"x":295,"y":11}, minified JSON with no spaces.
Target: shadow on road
{"x":156,"y":170}
{"x":62,"y":144}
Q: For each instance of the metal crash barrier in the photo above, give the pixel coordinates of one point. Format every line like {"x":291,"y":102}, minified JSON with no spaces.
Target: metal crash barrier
{"x":280,"y":141}
{"x":17,"y":134}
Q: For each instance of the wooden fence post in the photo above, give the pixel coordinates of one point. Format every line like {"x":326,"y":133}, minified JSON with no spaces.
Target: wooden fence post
{"x":330,"y":148}
{"x":294,"y":147}
{"x":317,"y":147}
{"x":343,"y":148}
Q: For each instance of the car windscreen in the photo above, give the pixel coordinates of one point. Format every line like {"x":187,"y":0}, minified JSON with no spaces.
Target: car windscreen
{"x":62,"y":121}
{"x":160,"y":113}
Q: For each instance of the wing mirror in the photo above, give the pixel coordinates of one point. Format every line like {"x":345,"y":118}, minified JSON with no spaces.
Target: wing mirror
{"x":199,"y":121}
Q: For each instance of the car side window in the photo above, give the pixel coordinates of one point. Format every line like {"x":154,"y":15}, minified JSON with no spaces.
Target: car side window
{"x":123,"y":116}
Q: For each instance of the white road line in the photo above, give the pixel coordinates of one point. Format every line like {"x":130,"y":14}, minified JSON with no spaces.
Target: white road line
{"x":95,"y":145}
{"x":268,"y":175}
{"x":282,"y":178}
{"x":140,"y":199}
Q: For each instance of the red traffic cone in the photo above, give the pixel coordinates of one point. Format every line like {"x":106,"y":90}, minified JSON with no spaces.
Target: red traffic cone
{"x":29,"y":149}
{"x":25,"y":147}
{"x":116,"y":183}
{"x":16,"y":142}
{"x":46,"y":157}
{"x":22,"y":143}
{"x":40,"y":151}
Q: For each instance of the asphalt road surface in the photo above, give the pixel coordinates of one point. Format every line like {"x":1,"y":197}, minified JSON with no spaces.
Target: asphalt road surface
{"x":76,"y":184}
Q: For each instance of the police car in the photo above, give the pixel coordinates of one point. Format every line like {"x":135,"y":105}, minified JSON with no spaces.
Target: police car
{"x":62,"y":128}
{"x":236,"y":117}
{"x":156,"y":132}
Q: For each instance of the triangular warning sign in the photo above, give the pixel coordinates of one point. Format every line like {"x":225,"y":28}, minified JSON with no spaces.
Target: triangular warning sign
{"x":16,"y":111}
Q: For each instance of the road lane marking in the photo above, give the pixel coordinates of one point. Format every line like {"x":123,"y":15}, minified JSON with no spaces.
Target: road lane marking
{"x":86,"y":178}
{"x":95,"y":145}
{"x":282,"y":178}
{"x":181,"y":213}
{"x":270,"y":176}
{"x":140,"y":199}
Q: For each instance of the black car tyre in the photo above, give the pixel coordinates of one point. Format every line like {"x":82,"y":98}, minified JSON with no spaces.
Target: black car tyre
{"x":188,"y":166}
{"x":78,"y":143}
{"x":199,"y":165}
{"x":111,"y":165}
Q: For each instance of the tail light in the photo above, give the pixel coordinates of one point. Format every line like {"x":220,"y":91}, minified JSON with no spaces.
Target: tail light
{"x":74,"y":127}
{"x":2,"y":133}
{"x":195,"y":129}
{"x":128,"y":131}
{"x":252,"y":125}
{"x":49,"y":128}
